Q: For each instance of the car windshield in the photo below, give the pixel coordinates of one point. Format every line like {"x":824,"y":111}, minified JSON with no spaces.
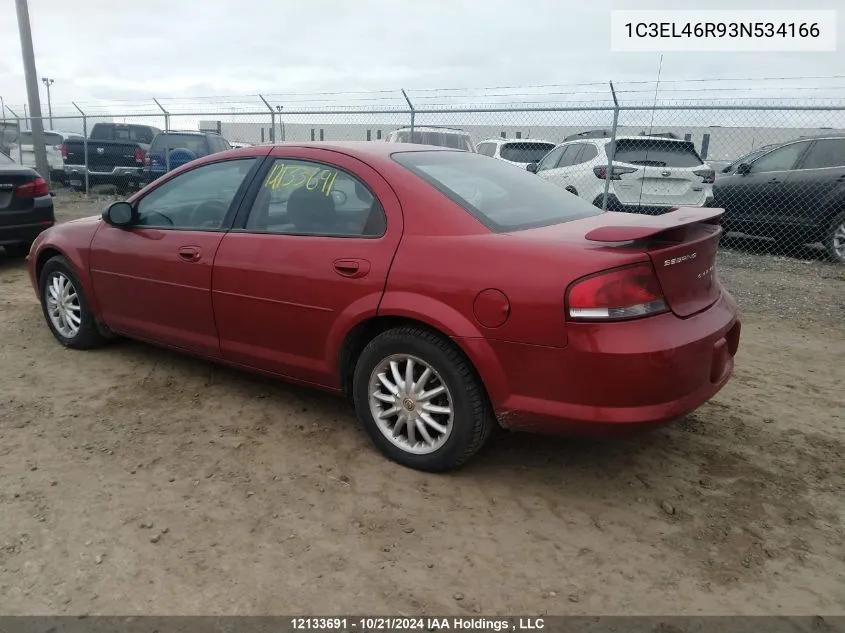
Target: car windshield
{"x":526,"y":152}
{"x":194,"y":143}
{"x":501,"y":197}
{"x":453,"y":140}
{"x":655,"y":152}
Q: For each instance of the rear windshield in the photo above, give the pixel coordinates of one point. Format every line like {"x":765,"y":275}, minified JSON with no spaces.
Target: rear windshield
{"x":192,"y":142}
{"x":655,"y":152}
{"x":49,"y":138}
{"x":440,"y":139}
{"x":525,"y":152}
{"x":119,"y":132}
{"x":501,"y":197}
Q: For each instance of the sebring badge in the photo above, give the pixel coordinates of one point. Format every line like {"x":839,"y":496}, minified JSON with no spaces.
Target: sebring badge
{"x":683,"y":258}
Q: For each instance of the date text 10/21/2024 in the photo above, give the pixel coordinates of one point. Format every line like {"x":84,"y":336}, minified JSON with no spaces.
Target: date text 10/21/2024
{"x":411,"y":624}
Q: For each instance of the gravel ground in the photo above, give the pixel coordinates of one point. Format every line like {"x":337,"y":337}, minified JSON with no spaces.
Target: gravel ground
{"x":134,"y":480}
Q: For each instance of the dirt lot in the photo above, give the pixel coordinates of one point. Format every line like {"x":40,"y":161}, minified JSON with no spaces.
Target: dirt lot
{"x":134,"y":480}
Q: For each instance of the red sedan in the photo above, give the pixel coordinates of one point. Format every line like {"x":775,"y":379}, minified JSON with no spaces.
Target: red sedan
{"x":441,"y":290}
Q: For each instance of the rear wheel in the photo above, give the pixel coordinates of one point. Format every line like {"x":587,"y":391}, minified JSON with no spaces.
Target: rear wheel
{"x":65,"y":307}
{"x":834,"y":242}
{"x":420,"y":400}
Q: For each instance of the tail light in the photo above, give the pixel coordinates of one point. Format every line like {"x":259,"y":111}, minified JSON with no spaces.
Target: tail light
{"x":147,"y":160}
{"x":621,"y":293}
{"x":139,"y":155}
{"x":64,"y":150}
{"x":615,"y":172}
{"x":708,"y":176}
{"x":35,"y":189}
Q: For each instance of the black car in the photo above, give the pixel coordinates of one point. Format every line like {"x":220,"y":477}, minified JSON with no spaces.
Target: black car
{"x":794,"y":193}
{"x":26,"y":207}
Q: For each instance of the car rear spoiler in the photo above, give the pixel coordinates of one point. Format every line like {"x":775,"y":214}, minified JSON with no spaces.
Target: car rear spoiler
{"x":627,"y":227}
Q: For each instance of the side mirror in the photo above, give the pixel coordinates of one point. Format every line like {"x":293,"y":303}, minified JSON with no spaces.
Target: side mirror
{"x":119,"y":214}
{"x":743,"y":168}
{"x":532,"y":167}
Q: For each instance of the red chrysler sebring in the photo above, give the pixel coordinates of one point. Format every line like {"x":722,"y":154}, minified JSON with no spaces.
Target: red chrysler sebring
{"x":443,"y":291}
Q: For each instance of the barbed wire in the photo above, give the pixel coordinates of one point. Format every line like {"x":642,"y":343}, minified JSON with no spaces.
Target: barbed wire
{"x":434,"y":97}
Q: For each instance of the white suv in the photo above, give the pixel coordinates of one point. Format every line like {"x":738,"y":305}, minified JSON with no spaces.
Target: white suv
{"x":440,"y":136}
{"x":520,"y":151}
{"x":650,"y":174}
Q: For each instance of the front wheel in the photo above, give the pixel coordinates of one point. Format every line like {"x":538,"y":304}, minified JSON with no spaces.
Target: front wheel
{"x":420,"y":401}
{"x":65,"y":308}
{"x":834,"y":242}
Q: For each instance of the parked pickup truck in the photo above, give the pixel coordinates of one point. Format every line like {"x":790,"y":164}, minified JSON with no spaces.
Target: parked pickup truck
{"x":116,"y":154}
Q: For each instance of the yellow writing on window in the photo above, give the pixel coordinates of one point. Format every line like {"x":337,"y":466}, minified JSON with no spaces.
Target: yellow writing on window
{"x":283,"y":175}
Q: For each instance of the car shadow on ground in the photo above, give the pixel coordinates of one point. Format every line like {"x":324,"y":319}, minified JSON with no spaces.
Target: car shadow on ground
{"x":766,"y":246}
{"x":506,"y":452}
{"x":11,"y":263}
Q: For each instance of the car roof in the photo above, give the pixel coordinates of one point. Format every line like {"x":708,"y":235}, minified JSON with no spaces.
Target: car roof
{"x":517,"y":140}
{"x":188,"y":132}
{"x":432,"y":128}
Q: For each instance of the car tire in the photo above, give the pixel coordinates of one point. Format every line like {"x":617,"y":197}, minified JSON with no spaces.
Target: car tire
{"x":452,"y":438}
{"x":18,"y":250}
{"x":834,"y":240}
{"x":58,"y":285}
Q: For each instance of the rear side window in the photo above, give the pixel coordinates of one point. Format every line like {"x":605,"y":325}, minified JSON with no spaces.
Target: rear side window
{"x":194,"y":143}
{"x":655,"y":152}
{"x":499,"y":196}
{"x":525,"y":152}
{"x":117,"y":132}
{"x":826,"y":153}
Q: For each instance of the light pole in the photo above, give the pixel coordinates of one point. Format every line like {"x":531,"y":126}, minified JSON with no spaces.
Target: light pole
{"x":31,"y":76}
{"x":49,"y":82}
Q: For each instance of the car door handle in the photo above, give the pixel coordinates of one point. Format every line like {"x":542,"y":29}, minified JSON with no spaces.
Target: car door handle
{"x":352,"y":268}
{"x":190,"y":253}
{"x":775,"y":181}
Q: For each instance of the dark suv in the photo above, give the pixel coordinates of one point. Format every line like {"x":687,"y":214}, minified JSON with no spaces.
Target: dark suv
{"x":170,"y":150}
{"x":26,"y":206}
{"x":794,"y":193}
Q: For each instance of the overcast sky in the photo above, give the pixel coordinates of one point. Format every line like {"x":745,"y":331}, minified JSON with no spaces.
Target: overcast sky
{"x":105,"y":50}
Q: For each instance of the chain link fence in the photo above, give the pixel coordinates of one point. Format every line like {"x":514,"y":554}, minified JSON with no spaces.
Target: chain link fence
{"x":777,"y":169}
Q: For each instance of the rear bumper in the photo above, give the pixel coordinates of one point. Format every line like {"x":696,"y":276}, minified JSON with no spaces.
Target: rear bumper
{"x":75,"y":175}
{"x":18,"y":227}
{"x":617,"y":378}
{"x":613,"y":204}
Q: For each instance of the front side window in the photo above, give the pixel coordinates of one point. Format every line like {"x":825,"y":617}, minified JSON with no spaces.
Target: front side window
{"x":781,"y":159}
{"x":196,"y":199}
{"x":570,"y":154}
{"x":551,"y":159}
{"x":499,"y":196}
{"x":301,"y":197}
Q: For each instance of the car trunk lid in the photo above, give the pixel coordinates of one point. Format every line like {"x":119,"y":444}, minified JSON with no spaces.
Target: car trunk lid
{"x":10,"y":179}
{"x":682,"y":247}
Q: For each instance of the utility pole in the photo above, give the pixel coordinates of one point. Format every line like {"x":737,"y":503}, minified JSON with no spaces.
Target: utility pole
{"x":49,"y":82}
{"x":34,"y":99}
